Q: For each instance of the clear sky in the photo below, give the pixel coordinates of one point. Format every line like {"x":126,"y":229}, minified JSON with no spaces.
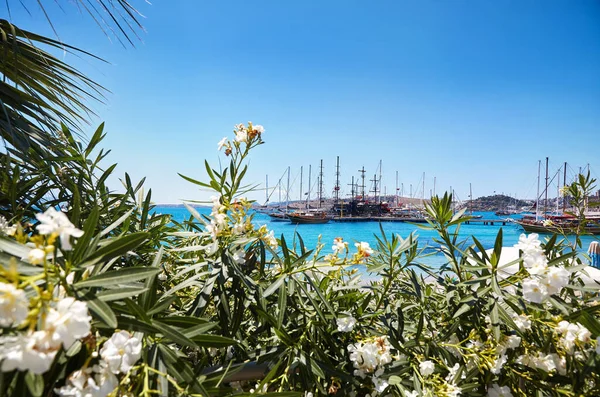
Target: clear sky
{"x":463,"y":91}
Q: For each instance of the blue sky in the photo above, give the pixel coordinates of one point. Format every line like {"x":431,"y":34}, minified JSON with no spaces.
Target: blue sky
{"x":465,"y":91}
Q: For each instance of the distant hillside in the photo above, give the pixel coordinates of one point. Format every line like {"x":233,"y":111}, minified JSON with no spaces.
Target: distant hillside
{"x":497,"y":202}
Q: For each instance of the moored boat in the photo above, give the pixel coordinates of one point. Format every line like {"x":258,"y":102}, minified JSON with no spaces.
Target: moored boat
{"x":308,"y":217}
{"x":560,"y":224}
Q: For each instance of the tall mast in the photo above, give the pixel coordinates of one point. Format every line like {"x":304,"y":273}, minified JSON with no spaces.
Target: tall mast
{"x":423,"y":193}
{"x":380,"y":176}
{"x":301,"y":177}
{"x":352,"y":189}
{"x":537,"y":199}
{"x":564,"y":199}
{"x":557,"y":190}
{"x":374,"y":180}
{"x":267,"y":190}
{"x":470,"y":198}
{"x":546,"y":190}
{"x":321,"y":184}
{"x":396,"y":188}
{"x":287,"y":192}
{"x":362,"y":186}
{"x":337,"y":180}
{"x":309,"y":186}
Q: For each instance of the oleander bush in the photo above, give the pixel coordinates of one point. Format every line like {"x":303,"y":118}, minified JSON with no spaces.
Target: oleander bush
{"x":101,"y":296}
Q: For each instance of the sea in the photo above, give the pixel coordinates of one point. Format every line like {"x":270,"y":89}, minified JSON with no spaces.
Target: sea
{"x":367,"y":231}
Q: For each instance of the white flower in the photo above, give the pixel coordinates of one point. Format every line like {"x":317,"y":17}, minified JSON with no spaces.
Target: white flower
{"x":426,"y":368}
{"x":36,"y":256}
{"x":271,"y":240}
{"x":56,"y":222}
{"x":162,"y":277}
{"x":14,"y":305}
{"x":522,"y":322}
{"x":222,"y":143}
{"x":239,"y":256}
{"x":259,"y":129}
{"x":346,"y":324}
{"x":241,"y":135}
{"x":368,"y":355}
{"x":90,"y":382}
{"x":32,"y":352}
{"x":68,"y":322}
{"x":498,"y":364}
{"x":121,"y":352}
{"x":413,"y":393}
{"x":534,"y":291}
{"x":364,"y":249}
{"x":535,"y":263}
{"x":556,"y":279}
{"x":530,"y":245}
{"x":499,"y":391}
{"x":570,"y":333}
{"x":339,"y":245}
{"x":6,"y":228}
{"x":452,"y":372}
{"x":380,"y":384}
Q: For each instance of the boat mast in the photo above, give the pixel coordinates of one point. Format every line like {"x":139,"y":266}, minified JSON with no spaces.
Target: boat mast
{"x":537,"y":200}
{"x":309,"y":186}
{"x":564,"y":199}
{"x":267,"y":190}
{"x":352,"y":189}
{"x":287,"y":192}
{"x":374,"y":180}
{"x":380,"y":175}
{"x":423,"y":192}
{"x":362,"y":187}
{"x":337,"y":181}
{"x":321,"y":184}
{"x":557,"y":191}
{"x":470,"y":198}
{"x":301,"y":177}
{"x":396,"y":188}
{"x":546,"y":191}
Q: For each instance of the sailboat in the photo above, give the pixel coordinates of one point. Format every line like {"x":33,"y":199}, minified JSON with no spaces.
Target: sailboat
{"x":563,"y":223}
{"x":311,"y":216}
{"x":471,"y":205}
{"x":278,"y":215}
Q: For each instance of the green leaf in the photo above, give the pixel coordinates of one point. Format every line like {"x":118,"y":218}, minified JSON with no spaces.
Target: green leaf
{"x":119,"y":293}
{"x":121,"y":276}
{"x":213,"y":341}
{"x":35,"y":384}
{"x":103,"y":312}
{"x":273,"y":287}
{"x":173,"y":334}
{"x":115,"y":248}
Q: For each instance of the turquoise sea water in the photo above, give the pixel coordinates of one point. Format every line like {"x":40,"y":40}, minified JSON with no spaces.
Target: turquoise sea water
{"x":366,"y":231}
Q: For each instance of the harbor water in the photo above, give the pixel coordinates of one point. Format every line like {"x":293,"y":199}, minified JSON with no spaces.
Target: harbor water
{"x":367,"y":231}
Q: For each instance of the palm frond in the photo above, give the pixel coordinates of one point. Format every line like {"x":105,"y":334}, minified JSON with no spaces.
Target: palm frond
{"x":38,"y":91}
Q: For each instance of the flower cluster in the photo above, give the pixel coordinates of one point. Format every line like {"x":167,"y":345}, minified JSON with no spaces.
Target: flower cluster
{"x":570,"y":334}
{"x":56,"y":224}
{"x":370,"y":357}
{"x":339,"y":245}
{"x":64,"y":322}
{"x":246,"y":134}
{"x":544,"y":280}
{"x":118,"y":355}
{"x":6,"y":228}
{"x":346,"y":324}
{"x":364,"y":251}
